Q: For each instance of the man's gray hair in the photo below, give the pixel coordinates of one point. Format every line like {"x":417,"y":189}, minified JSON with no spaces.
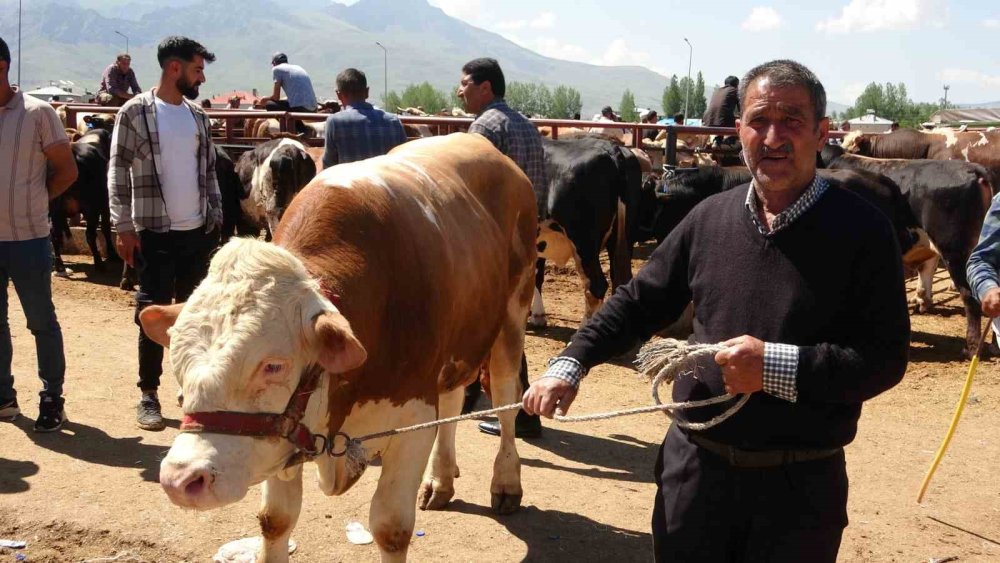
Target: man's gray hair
{"x":787,"y":73}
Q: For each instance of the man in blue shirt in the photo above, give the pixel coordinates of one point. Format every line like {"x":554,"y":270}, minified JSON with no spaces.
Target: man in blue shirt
{"x":985,"y":261}
{"x":358,"y":131}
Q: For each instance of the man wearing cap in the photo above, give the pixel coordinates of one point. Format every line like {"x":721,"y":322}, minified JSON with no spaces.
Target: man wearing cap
{"x":116,"y":81}
{"x":649,"y":116}
{"x":295,"y":81}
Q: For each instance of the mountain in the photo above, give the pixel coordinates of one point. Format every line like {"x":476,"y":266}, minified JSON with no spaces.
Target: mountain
{"x":76,"y":39}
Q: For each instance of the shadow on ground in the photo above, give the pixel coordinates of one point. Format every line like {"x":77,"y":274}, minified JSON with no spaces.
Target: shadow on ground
{"x":554,"y":535}
{"x":93,"y":445}
{"x":13,"y":474}
{"x":619,"y":457}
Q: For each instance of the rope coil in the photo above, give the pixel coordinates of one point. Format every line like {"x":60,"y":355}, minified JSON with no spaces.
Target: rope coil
{"x":661,"y":361}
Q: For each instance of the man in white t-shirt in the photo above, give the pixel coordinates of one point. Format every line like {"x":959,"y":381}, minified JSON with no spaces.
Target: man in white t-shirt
{"x":165,"y":199}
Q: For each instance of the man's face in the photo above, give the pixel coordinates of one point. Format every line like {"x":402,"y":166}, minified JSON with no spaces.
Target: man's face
{"x":780,"y":135}
{"x":191,"y":76}
{"x":124,"y":64}
{"x":474,"y":96}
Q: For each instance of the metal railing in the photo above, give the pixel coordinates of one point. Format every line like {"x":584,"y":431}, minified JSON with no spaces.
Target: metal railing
{"x":439,"y":126}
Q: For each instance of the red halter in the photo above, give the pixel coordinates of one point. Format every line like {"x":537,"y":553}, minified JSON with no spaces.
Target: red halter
{"x":286,"y":425}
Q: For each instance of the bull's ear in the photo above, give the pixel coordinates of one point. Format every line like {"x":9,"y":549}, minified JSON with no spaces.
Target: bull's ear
{"x":156,"y":321}
{"x":338,"y":350}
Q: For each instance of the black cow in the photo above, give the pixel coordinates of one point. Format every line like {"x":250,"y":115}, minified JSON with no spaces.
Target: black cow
{"x":592,"y":197}
{"x":88,"y":195}
{"x":949,"y":199}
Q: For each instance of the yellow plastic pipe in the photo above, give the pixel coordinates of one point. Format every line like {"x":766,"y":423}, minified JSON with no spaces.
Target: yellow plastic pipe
{"x":958,"y":413}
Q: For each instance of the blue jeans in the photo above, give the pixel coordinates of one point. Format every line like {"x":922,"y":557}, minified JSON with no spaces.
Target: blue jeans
{"x":28,"y":263}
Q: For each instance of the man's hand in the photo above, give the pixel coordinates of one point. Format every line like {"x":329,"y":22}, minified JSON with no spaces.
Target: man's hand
{"x":549,"y":394}
{"x":128,"y":242}
{"x":991,"y":303}
{"x":742,"y":364}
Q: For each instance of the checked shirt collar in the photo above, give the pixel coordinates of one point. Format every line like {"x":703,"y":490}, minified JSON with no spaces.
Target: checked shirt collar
{"x":788,"y":216}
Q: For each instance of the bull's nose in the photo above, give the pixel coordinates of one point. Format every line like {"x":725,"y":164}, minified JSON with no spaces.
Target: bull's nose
{"x":186,"y":485}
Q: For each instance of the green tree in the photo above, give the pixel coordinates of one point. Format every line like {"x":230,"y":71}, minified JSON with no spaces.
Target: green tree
{"x":424,"y":95}
{"x":698,"y":102}
{"x":890,"y":101}
{"x":686,"y":87}
{"x":672,"y":99}
{"x":530,"y":98}
{"x":392,"y":101}
{"x":626,"y":109}
{"x":565,"y":102}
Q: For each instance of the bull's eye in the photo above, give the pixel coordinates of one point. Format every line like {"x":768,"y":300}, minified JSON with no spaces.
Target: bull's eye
{"x":272,"y":368}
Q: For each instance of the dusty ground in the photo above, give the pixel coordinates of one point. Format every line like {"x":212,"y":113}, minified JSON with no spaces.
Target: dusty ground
{"x":91,"y":491}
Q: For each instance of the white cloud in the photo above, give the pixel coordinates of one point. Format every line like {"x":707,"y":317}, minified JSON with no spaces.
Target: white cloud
{"x":992,"y":23}
{"x":850,"y":92}
{"x":966,"y":76}
{"x":762,"y":18}
{"x":545,"y":20}
{"x":554,"y":48}
{"x":878,"y":15}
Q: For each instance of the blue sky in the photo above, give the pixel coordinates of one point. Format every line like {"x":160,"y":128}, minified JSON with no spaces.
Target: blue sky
{"x":848,"y":43}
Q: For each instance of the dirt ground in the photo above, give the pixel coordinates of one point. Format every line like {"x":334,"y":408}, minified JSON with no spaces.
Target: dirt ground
{"x":91,"y":491}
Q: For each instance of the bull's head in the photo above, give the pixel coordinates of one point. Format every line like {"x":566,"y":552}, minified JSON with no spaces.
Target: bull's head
{"x":241,"y":344}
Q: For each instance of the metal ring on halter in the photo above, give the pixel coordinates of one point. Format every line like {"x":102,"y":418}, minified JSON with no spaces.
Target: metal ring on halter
{"x":324,"y":444}
{"x":333,"y":439}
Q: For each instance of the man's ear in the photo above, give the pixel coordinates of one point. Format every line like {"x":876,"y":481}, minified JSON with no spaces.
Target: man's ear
{"x":156,"y":321}
{"x":338,"y":350}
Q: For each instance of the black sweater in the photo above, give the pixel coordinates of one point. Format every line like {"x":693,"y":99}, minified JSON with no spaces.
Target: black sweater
{"x":831,"y":283}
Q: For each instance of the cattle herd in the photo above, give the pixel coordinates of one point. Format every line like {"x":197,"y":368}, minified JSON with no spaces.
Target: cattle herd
{"x":360,"y":284}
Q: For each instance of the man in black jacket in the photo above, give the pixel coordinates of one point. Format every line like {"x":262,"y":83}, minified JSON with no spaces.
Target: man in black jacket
{"x":812,"y":311}
{"x":724,"y":109}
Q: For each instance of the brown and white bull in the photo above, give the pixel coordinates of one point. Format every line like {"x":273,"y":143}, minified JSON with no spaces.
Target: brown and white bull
{"x":392,"y":280}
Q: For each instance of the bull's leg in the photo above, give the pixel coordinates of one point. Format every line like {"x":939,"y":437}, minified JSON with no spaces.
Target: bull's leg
{"x":58,"y":267}
{"x":595,"y":285}
{"x":109,"y":243}
{"x":92,"y":241}
{"x":281,"y":502}
{"x":506,"y":359}
{"x":619,"y":250}
{"x":924,"y":296}
{"x":393,"y":511}
{"x":973,"y":314}
{"x":537,"y":319}
{"x":439,"y":482}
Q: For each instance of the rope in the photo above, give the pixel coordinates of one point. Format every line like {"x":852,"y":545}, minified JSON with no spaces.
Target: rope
{"x":662,"y":361}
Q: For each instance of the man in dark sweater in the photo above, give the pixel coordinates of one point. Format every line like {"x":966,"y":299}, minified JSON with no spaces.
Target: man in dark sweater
{"x":803,"y":285}
{"x":723,"y":109}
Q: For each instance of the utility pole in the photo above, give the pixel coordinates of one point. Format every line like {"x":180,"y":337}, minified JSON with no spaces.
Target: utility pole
{"x":126,"y":40}
{"x":385,"y":69}
{"x":20,"y":52}
{"x":687,"y":95}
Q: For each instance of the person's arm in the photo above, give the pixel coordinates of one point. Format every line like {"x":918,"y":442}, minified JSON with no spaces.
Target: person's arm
{"x":133,"y":83}
{"x":399,"y":134}
{"x":62,"y":168}
{"x":58,"y":153}
{"x":123,"y":142}
{"x":330,"y":157}
{"x":118,"y":84}
{"x":214,"y":218}
{"x":484,"y":129}
{"x":655,"y":298}
{"x":985,"y":261}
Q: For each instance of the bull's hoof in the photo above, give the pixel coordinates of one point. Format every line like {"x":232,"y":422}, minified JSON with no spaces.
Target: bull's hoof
{"x":435,"y":496}
{"x":537,"y":322}
{"x":99,"y":266}
{"x":505,"y":503}
{"x":127,"y":285}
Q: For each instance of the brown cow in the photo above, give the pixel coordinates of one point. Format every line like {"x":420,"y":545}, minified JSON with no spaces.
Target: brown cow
{"x":392,"y":280}
{"x":980,"y":147}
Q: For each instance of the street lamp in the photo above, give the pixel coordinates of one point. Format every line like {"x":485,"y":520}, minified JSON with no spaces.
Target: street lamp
{"x":946,"y":88}
{"x":126,"y":40}
{"x":687,"y":96}
{"x":20,"y":53}
{"x":385,"y":69}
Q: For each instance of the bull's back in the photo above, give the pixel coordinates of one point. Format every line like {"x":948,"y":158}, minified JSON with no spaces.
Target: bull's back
{"x":423,"y":246}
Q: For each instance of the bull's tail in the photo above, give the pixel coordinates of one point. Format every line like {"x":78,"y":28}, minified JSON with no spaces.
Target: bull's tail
{"x":630,"y":192}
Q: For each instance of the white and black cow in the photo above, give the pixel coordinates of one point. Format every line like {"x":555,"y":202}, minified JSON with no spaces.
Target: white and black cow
{"x":592,"y":196}
{"x":271,"y":174}
{"x":949,"y":199}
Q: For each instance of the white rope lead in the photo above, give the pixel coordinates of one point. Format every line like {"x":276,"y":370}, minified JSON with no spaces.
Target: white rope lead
{"x":668,"y":358}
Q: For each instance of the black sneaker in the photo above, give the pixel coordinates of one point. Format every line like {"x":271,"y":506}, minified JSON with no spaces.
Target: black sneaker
{"x":147,"y":413}
{"x":9,"y":411}
{"x":51,"y":414}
